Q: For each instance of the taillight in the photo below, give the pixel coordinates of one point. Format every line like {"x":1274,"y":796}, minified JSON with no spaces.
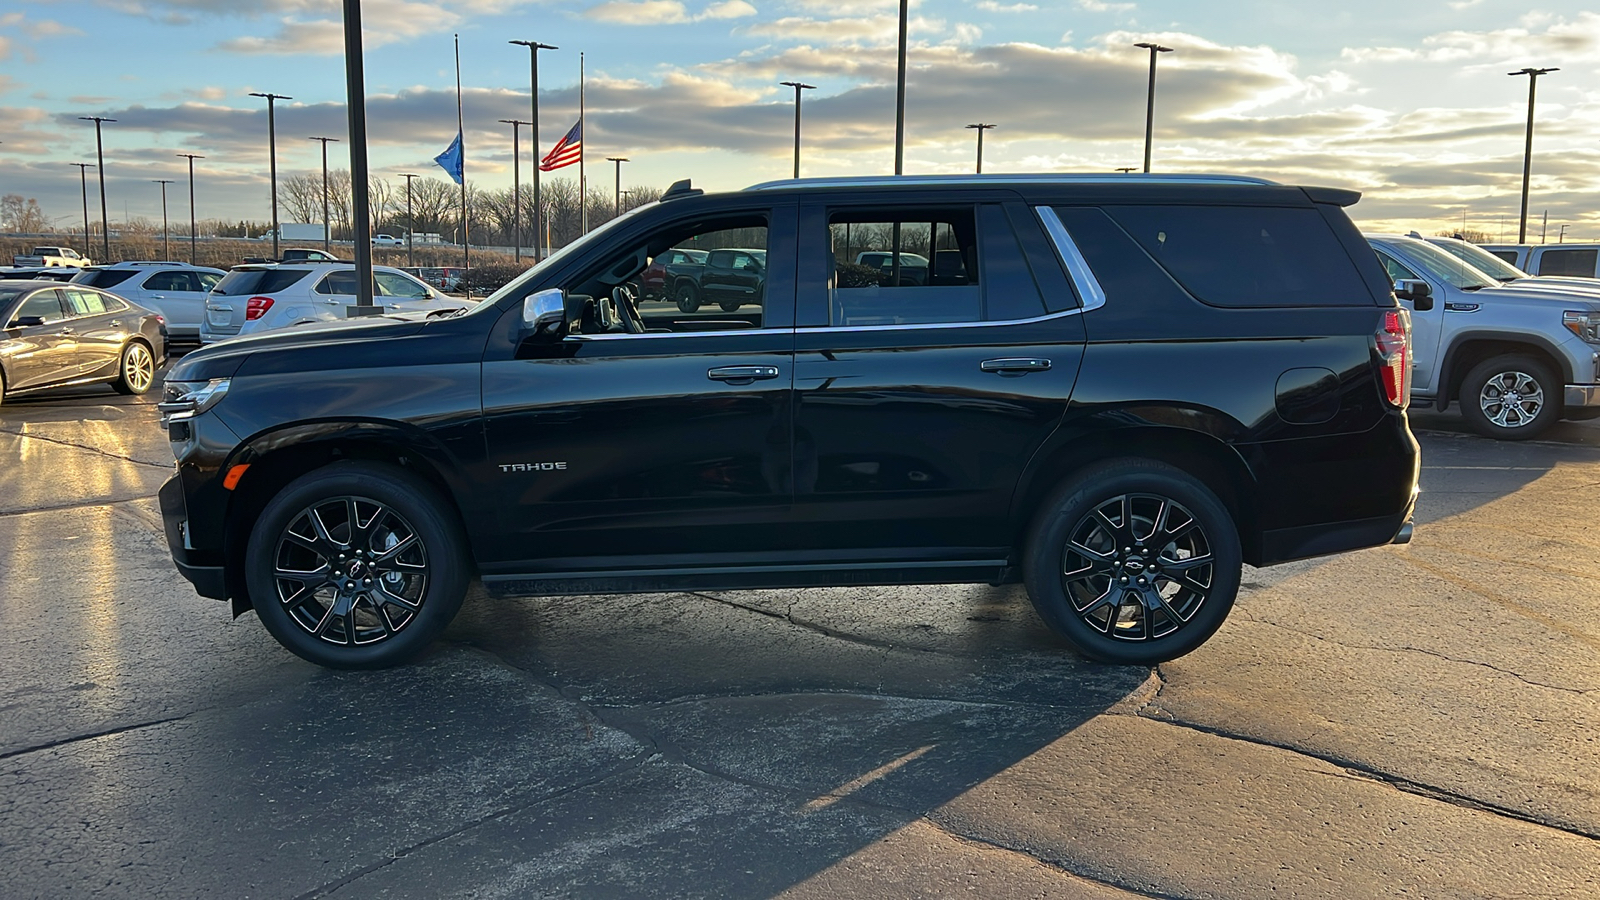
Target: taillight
{"x":256,"y":308}
{"x":1394,"y":355}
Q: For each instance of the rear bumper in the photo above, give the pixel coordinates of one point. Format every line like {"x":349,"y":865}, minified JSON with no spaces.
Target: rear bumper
{"x":1581,"y":395}
{"x":1288,"y":544}
{"x":204,"y":574}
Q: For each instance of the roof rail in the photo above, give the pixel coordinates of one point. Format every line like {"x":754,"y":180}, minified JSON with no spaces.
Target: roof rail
{"x":1001,"y":180}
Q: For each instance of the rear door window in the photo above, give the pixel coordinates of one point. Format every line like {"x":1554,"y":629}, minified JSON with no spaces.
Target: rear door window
{"x":85,"y":303}
{"x":171,"y":281}
{"x":903,"y":267}
{"x":1568,"y":262}
{"x":1247,"y":256}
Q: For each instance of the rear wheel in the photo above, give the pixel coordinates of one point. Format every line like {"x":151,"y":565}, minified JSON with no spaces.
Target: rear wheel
{"x":688,"y":297}
{"x":1511,"y":398}
{"x":356,"y":566}
{"x":137,"y":370}
{"x":1133,"y":562}
{"x":730,"y":305}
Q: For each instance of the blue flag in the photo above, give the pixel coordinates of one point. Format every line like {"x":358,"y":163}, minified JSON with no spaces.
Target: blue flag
{"x":450,"y":159}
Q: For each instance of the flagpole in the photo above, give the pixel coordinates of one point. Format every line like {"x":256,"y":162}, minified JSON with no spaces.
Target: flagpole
{"x":461,"y":134}
{"x":583,"y":144}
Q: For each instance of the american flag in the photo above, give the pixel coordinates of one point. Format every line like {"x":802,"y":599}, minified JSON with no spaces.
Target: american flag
{"x":566,"y":151}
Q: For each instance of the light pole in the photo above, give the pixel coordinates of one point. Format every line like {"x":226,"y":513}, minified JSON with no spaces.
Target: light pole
{"x":327,"y":224}
{"x":1527,"y":148}
{"x":981,"y":127}
{"x":798,"y":87}
{"x":83,"y":181}
{"x":533,"y":134}
{"x":411,"y":224}
{"x":516,"y":186}
{"x":619,"y":160}
{"x":192,"y":230}
{"x":1150,"y":101}
{"x":166,"y":251}
{"x":900,"y":117}
{"x":100,"y":165}
{"x":355,"y":104}
{"x":272,"y":160}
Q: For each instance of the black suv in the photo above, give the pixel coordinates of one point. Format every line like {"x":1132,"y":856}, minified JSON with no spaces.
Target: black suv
{"x":1113,"y":390}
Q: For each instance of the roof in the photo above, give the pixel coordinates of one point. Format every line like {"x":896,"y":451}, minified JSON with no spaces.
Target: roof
{"x":1035,"y":178}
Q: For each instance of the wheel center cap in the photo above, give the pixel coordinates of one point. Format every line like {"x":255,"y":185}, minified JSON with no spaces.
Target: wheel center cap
{"x":354,"y":569}
{"x":1134,"y":565}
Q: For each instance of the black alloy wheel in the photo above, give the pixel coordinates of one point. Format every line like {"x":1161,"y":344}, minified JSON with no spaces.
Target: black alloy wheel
{"x":1511,"y":398}
{"x":356,"y":565}
{"x":137,"y":369}
{"x":1134,"y":562}
{"x":688,"y":297}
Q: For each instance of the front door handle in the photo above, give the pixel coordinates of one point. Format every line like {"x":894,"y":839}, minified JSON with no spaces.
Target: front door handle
{"x":1015,"y":365}
{"x":742,"y":374}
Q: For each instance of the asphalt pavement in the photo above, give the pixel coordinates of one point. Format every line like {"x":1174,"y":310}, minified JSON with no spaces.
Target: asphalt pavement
{"x":1411,"y":721}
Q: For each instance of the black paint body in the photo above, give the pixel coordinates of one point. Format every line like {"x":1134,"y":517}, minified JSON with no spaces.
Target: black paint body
{"x":877,"y":455}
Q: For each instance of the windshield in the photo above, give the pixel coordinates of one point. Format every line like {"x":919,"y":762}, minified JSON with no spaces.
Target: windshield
{"x":561,"y":256}
{"x":1441,"y":265}
{"x":1481,"y":259}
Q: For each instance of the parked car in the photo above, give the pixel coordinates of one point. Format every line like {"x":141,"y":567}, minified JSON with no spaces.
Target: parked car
{"x":175,"y":290}
{"x":729,"y":278}
{"x":1505,"y":272}
{"x":1518,"y":357}
{"x":256,"y":298}
{"x":913,"y":266}
{"x":660,"y":279}
{"x":387,"y":240}
{"x":1580,"y":260}
{"x":1142,"y":383}
{"x":38,"y":273}
{"x":61,"y":335}
{"x":51,"y":257}
{"x":445,"y":278}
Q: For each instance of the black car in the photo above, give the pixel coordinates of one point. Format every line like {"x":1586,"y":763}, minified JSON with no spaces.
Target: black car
{"x":1114,"y":391}
{"x":59,"y":335}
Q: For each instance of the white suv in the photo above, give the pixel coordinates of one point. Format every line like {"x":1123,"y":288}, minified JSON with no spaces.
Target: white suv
{"x":256,"y":298}
{"x":175,"y":290}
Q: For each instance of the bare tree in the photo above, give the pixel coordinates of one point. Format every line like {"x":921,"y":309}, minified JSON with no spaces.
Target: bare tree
{"x":300,"y":197}
{"x":22,"y":214}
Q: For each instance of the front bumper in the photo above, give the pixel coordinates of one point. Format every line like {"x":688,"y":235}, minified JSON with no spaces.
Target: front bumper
{"x":1579,"y":395}
{"x":207,"y":579}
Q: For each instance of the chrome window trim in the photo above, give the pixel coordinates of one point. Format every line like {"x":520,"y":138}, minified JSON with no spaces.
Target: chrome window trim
{"x":1089,"y":289}
{"x":822,"y":329}
{"x":1004,"y":180}
{"x":675,"y":334}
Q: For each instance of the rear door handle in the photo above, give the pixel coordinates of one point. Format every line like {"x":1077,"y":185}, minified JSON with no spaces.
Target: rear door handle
{"x":1015,"y":365}
{"x":742,"y":374}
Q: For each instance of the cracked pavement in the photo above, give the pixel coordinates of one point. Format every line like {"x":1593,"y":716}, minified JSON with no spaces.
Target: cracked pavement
{"x":1415,"y":720}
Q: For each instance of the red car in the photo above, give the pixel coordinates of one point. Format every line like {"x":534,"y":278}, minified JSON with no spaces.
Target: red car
{"x":655,"y":281}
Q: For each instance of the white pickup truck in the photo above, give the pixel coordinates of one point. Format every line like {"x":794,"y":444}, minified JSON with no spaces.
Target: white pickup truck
{"x":48,"y":257}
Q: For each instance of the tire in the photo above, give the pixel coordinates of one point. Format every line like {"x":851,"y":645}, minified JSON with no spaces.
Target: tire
{"x":729,"y":306}
{"x":136,"y":371}
{"x":1073,"y":586}
{"x":1535,"y":397}
{"x":414,"y":594}
{"x":687,"y":296}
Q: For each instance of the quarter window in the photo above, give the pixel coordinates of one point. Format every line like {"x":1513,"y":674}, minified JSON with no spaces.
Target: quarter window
{"x":903,"y":267}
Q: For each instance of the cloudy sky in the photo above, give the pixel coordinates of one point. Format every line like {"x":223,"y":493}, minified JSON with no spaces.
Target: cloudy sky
{"x":1408,"y":102}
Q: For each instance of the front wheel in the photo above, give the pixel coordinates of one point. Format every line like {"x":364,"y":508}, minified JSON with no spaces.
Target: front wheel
{"x":356,"y":566}
{"x":1133,"y":562}
{"x":688,"y":297}
{"x":1511,"y":398}
{"x":137,"y":370}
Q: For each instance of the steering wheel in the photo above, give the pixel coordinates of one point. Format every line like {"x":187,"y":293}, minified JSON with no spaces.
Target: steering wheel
{"x":627,"y":309}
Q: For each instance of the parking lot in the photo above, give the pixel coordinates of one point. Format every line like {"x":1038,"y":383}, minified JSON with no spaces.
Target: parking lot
{"x":1417,"y":720}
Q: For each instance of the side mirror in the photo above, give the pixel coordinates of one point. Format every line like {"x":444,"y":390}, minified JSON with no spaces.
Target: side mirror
{"x":545,"y":313}
{"x":25,"y":322}
{"x":1419,"y":292}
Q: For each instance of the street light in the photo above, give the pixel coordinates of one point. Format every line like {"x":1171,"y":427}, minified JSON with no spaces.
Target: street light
{"x":192,"y":230}
{"x":1527,"y":149}
{"x":1126,"y":169}
{"x":272,"y":160}
{"x":1150,"y":102}
{"x":327,"y":224}
{"x":900,"y":114}
{"x":100,"y":160}
{"x":981,"y":127}
{"x":83,"y":180}
{"x":533,"y":77}
{"x":619,"y":160}
{"x":516,"y":186}
{"x":166,"y":251}
{"x":798,"y":87}
{"x":411,"y":224}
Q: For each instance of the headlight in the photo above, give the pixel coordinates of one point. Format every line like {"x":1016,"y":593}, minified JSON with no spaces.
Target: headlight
{"x":1585,"y":324}
{"x":187,"y":399}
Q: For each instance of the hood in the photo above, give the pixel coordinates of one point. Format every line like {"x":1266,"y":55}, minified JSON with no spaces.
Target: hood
{"x":223,"y":359}
{"x":1552,"y":294}
{"x":1572,"y":284}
